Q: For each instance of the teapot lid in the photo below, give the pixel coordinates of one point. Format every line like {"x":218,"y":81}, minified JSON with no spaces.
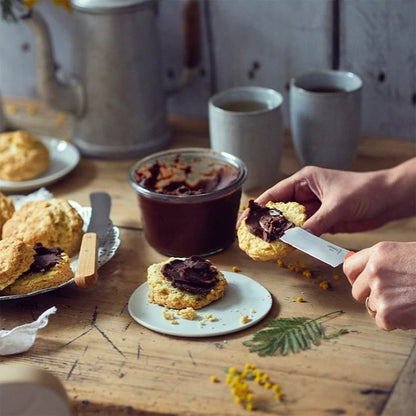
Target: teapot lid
{"x":108,"y":5}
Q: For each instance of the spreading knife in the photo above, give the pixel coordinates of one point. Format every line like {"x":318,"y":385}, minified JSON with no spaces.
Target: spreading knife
{"x":315,"y":246}
{"x":86,"y":273}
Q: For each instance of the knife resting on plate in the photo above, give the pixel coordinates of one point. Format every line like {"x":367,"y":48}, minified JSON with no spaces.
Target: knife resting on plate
{"x":86,"y":273}
{"x":315,"y":246}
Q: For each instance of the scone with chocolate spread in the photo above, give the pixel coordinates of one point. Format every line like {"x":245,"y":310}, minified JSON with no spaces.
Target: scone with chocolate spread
{"x":259,"y":233}
{"x":181,"y":283}
{"x":22,"y":156}
{"x":50,"y":267}
{"x":6,"y":210}
{"x":52,"y":222}
{"x":15,"y":258}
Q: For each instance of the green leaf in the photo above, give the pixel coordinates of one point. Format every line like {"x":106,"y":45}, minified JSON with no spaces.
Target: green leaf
{"x":290,"y":334}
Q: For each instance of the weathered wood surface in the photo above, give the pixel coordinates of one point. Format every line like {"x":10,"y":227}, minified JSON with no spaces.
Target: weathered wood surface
{"x":110,"y":365}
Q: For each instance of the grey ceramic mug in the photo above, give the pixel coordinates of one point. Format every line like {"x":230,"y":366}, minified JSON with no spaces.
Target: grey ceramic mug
{"x":247,"y":122}
{"x":325,"y":117}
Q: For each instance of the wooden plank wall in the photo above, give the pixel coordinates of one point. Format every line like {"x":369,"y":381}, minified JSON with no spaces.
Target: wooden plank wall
{"x":264,"y":42}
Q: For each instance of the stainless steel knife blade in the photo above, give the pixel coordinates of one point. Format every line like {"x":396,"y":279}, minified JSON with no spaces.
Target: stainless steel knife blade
{"x":100,"y":215}
{"x":86,"y":273}
{"x":315,"y":246}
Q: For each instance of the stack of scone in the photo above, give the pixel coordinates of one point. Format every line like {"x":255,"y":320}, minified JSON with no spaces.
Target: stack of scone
{"x":259,"y":232}
{"x":22,"y":156}
{"x":38,"y":241}
{"x":181,"y":283}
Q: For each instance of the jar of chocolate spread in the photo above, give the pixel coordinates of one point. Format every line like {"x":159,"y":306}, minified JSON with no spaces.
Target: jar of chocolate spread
{"x":189,"y":199}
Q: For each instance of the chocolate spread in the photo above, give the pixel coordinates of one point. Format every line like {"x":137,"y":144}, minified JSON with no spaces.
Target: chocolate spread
{"x":45,"y":258}
{"x":194,"y":275}
{"x":179,"y":178}
{"x":266,"y":223}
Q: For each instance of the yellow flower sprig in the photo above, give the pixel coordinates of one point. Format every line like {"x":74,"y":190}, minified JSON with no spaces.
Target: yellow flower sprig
{"x":240,"y":388}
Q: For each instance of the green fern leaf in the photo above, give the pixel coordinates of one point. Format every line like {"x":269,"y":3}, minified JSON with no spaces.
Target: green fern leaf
{"x":290,"y":334}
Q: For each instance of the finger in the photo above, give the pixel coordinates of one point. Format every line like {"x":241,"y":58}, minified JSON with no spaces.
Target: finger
{"x":354,"y":265}
{"x":282,"y":192}
{"x":241,"y":217}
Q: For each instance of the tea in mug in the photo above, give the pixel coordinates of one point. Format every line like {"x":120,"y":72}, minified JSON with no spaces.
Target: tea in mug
{"x":326,"y":89}
{"x":244,"y":106}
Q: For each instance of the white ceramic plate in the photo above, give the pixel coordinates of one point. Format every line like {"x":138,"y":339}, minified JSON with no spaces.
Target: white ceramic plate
{"x":243,"y":296}
{"x":105,"y":252}
{"x":64,"y":157}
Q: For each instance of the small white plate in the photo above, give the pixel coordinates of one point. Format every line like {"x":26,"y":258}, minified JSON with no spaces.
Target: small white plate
{"x":243,"y":296}
{"x":64,"y":157}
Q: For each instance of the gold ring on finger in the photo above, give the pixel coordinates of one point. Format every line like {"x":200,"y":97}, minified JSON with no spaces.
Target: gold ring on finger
{"x":372,"y":312}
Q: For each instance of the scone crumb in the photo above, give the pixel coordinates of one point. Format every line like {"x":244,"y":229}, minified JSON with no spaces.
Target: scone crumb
{"x":210,"y":317}
{"x":244,"y":319}
{"x":188,"y":313}
{"x":168,"y":314}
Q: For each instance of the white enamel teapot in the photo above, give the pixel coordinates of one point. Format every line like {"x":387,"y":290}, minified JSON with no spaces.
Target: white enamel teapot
{"x":116,"y":95}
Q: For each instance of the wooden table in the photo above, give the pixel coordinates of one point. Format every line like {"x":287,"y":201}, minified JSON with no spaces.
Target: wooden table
{"x":110,"y":365}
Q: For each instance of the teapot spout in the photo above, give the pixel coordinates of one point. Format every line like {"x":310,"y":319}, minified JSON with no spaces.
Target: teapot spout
{"x":61,"y":96}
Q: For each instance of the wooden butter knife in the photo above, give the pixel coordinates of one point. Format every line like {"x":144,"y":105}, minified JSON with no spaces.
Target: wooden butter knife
{"x":87,"y":268}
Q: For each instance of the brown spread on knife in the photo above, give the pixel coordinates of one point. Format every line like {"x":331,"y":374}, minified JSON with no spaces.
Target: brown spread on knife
{"x":267,"y":223}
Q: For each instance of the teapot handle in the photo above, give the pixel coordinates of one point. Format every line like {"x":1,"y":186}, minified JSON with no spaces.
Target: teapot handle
{"x":191,"y":39}
{"x":191,"y":34}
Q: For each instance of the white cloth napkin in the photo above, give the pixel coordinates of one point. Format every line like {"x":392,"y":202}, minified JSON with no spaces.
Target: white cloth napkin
{"x":21,"y":338}
{"x":39,"y":195}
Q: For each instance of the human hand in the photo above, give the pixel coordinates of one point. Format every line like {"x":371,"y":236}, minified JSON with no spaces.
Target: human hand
{"x":338,"y":201}
{"x":386,"y":274}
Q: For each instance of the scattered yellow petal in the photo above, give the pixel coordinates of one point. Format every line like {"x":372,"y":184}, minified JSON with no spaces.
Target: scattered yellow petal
{"x":307,"y":274}
{"x":324,"y":285}
{"x":335,"y":276}
{"x":235,"y":269}
{"x":299,"y":299}
{"x":214,"y":379}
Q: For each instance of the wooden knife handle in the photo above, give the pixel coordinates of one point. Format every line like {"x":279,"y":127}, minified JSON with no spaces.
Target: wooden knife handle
{"x":87,"y":269}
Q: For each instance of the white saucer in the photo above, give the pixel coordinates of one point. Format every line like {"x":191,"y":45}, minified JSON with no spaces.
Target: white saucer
{"x":243,"y":296}
{"x":64,"y":156}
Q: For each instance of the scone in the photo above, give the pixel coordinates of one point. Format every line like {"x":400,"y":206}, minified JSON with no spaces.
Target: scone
{"x":6,"y":210}
{"x":258,"y":234}
{"x":191,"y":282}
{"x":52,"y":222}
{"x":50,"y":267}
{"x":15,"y":258}
{"x":22,"y":156}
